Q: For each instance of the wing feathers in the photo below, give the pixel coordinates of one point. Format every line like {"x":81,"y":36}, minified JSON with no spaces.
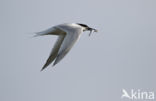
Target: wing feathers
{"x":64,"y":43}
{"x":54,"y":52}
{"x":67,"y":44}
{"x":50,"y":31}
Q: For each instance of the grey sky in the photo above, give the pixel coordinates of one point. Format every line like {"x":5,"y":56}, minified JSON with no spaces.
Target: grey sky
{"x":121,"y":55}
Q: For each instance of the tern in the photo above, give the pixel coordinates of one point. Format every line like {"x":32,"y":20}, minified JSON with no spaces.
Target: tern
{"x":68,"y":34}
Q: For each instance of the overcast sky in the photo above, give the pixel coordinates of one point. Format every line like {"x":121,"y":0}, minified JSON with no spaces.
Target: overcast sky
{"x":121,"y":55}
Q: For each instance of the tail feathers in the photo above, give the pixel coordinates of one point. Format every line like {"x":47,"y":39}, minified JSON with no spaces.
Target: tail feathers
{"x":39,"y":34}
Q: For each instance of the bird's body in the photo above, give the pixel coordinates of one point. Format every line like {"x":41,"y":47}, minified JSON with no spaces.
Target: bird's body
{"x":68,"y":35}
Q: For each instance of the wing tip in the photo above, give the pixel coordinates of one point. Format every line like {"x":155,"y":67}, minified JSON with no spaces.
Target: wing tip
{"x":54,"y":63}
{"x":46,"y":66}
{"x":42,"y":69}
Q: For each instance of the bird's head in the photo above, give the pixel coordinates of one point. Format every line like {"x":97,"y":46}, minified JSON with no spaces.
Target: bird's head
{"x":87,"y":28}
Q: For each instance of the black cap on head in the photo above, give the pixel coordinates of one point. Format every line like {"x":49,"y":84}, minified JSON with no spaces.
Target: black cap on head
{"x":87,"y":28}
{"x":83,"y":25}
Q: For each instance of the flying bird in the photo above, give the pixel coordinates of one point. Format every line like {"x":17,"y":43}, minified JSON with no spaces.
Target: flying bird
{"x":68,"y":34}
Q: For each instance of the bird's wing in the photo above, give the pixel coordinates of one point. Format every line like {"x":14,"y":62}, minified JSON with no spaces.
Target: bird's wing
{"x":50,"y":31}
{"x":71,"y":37}
{"x":56,"y":48}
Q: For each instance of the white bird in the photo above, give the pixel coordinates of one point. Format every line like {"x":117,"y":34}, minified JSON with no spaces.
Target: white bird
{"x":68,"y":34}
